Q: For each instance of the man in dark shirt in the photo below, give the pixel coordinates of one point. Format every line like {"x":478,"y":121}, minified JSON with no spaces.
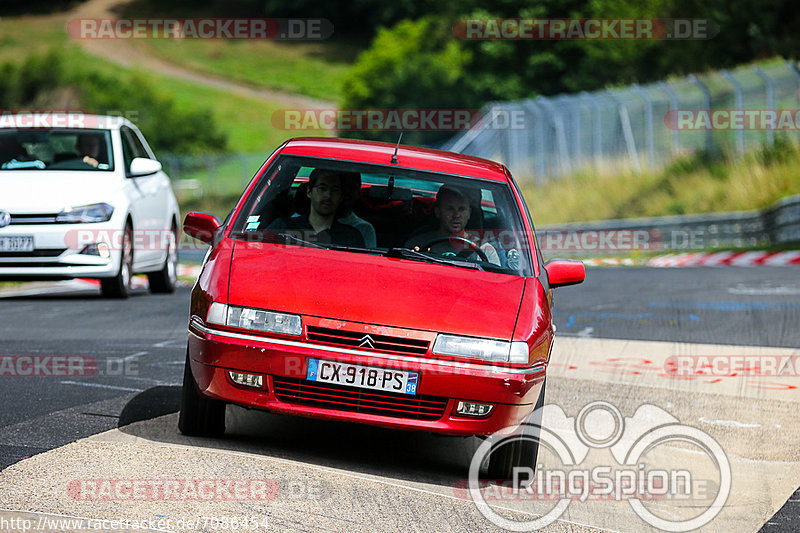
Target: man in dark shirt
{"x":321,"y":225}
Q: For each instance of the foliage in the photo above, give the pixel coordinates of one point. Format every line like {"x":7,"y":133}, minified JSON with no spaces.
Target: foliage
{"x":37,"y":83}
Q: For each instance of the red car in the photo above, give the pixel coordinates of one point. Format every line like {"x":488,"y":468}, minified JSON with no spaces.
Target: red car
{"x":367,"y":282}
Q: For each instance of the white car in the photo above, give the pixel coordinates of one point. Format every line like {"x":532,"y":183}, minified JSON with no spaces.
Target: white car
{"x":83,"y":196}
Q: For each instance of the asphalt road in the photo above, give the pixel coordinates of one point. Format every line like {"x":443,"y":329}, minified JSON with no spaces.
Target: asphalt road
{"x":746,"y":306}
{"x":139,"y":349}
{"x":138,"y":344}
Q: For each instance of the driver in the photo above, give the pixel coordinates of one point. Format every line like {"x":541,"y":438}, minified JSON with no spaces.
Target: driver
{"x":88,"y":145}
{"x":452,"y":211}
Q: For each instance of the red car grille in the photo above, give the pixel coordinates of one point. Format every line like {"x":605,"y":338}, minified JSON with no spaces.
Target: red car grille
{"x":301,"y":391}
{"x":354,"y":339}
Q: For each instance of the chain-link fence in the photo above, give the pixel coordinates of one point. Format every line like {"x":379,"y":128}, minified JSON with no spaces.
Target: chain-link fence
{"x":220,"y":174}
{"x":638,"y":126}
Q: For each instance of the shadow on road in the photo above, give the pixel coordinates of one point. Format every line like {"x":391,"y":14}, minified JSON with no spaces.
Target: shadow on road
{"x":403,"y":455}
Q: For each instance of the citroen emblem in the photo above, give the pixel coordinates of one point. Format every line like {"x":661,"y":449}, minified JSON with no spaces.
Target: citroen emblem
{"x":366,"y":340}
{"x":5,"y":219}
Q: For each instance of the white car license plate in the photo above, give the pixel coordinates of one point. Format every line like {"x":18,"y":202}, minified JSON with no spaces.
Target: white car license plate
{"x":365,"y":377}
{"x":16,"y":244}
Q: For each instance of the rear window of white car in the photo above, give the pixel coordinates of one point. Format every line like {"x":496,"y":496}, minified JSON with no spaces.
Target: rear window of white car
{"x":56,"y":149}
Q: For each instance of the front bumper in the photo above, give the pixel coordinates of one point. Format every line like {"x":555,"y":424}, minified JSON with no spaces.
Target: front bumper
{"x":57,"y":254}
{"x":213,"y":352}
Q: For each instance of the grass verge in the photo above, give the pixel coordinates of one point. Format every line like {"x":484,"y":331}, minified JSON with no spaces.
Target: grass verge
{"x":691,"y":184}
{"x":315,"y":69}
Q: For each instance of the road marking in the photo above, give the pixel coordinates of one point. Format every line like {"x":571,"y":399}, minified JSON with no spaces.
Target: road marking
{"x":100,"y":386}
{"x":165,"y":343}
{"x":134,"y":356}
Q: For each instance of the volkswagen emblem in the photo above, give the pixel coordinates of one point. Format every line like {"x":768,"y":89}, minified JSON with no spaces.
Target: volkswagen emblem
{"x":5,"y":219}
{"x":367,"y":341}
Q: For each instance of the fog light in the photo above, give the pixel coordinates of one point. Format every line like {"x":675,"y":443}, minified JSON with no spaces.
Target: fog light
{"x":247,"y":380}
{"x":473,"y":409}
{"x":99,"y":249}
{"x":103,"y":250}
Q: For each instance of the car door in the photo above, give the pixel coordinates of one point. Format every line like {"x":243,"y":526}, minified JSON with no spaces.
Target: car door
{"x":148,"y":207}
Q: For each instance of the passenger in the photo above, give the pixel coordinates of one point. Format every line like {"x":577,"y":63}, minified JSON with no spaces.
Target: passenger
{"x":88,"y":145}
{"x":325,"y":195}
{"x":452,"y":211}
{"x":11,"y":148}
{"x":352,"y":192}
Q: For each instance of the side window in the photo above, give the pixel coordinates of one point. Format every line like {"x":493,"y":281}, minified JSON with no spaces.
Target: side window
{"x":138,"y":147}
{"x":127,"y":150}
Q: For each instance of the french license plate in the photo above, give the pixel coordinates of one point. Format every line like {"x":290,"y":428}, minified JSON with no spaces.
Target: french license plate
{"x":16,"y":244}
{"x":365,"y":377}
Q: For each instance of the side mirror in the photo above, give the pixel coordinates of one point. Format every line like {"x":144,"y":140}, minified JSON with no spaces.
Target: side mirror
{"x":201,"y":226}
{"x":563,"y":272}
{"x":142,"y":166}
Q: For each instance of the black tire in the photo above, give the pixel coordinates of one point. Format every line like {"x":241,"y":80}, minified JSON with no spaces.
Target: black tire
{"x":120,"y":285}
{"x":521,"y":452}
{"x":165,"y":280}
{"x":199,"y":416}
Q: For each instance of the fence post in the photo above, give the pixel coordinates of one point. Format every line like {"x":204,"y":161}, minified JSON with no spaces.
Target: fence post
{"x":561,"y":139}
{"x":627,"y":131}
{"x":706,"y":104}
{"x":648,"y":122}
{"x":673,"y":106}
{"x":597,"y":128}
{"x":471,"y":134}
{"x":793,"y":70}
{"x":737,"y":87}
{"x":770,"y":99}
{"x":575,"y":109}
{"x":538,"y":140}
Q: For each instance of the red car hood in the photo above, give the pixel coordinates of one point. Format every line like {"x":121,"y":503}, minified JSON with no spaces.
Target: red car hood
{"x":375,"y":290}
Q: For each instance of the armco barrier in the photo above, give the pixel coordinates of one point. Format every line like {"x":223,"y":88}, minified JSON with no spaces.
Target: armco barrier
{"x":776,"y":225}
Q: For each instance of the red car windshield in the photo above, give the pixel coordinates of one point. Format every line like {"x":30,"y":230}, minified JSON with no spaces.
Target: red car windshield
{"x":455,"y":220}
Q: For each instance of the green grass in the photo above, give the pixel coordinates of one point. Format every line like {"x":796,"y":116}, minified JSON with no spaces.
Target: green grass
{"x":246,"y":121}
{"x":314,"y":69}
{"x":30,"y":35}
{"x":692,"y":184}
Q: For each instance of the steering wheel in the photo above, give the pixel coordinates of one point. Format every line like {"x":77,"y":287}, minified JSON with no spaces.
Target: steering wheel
{"x":473,"y":247}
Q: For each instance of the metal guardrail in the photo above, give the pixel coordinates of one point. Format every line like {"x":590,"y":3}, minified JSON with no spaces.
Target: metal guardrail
{"x":776,"y":225}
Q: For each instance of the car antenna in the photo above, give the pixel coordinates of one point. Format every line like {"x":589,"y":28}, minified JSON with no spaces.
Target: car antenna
{"x":394,"y":156}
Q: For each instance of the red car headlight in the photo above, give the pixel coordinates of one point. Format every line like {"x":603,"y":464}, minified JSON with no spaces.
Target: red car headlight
{"x":488,"y":349}
{"x":255,"y":319}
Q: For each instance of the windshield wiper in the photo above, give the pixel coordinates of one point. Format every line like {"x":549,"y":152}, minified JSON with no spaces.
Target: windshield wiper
{"x":328,"y":246}
{"x":341,"y":248}
{"x":289,"y":236}
{"x":408,"y":253}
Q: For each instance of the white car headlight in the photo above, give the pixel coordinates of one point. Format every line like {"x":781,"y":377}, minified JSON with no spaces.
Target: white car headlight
{"x":256,"y":319}
{"x":86,"y":213}
{"x":488,"y":349}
